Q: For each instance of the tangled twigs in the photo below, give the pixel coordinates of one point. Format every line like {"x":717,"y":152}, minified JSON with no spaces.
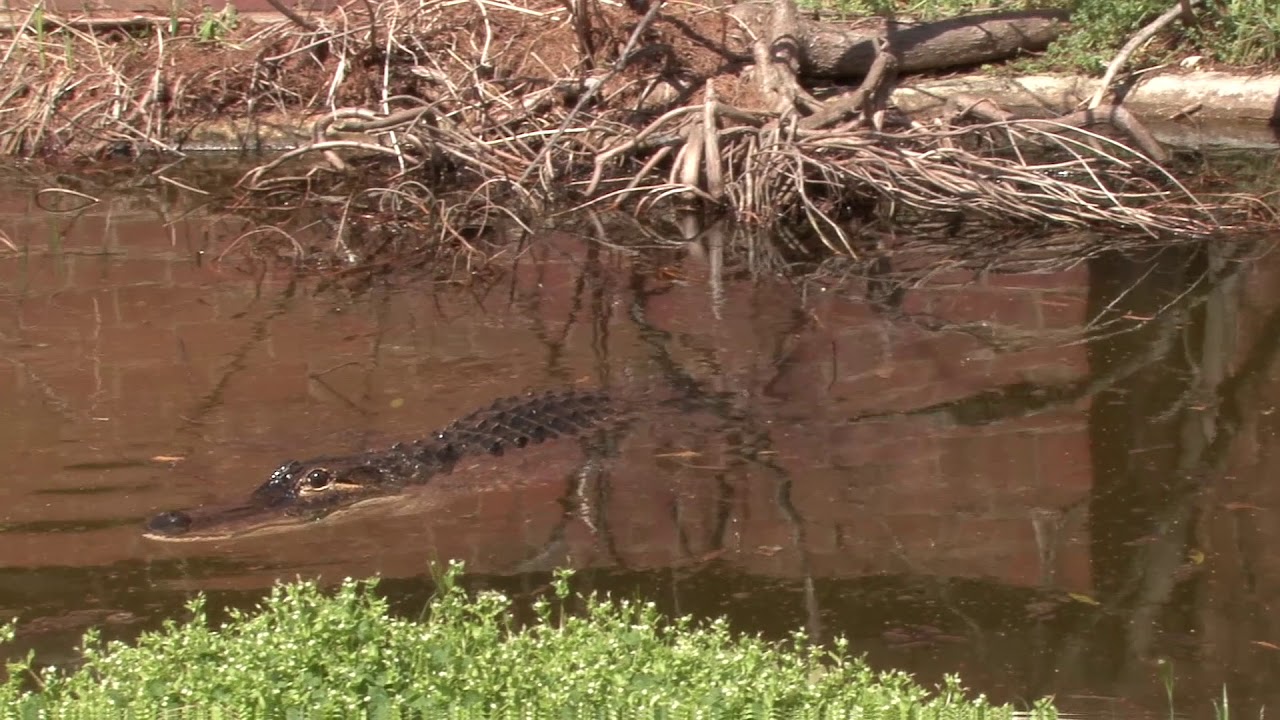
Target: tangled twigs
{"x":580,"y":12}
{"x":645,"y":137}
{"x":1116,"y":116}
{"x":866,"y":100}
{"x":354,"y":120}
{"x":253,"y":180}
{"x":1075,"y":177}
{"x":294,"y":17}
{"x":623,"y":58}
{"x":481,"y":109}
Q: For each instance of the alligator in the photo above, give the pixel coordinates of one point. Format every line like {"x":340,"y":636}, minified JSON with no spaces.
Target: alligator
{"x":302,"y":491}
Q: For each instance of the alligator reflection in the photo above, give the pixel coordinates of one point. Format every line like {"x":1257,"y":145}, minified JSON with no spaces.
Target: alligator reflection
{"x":1040,"y":481}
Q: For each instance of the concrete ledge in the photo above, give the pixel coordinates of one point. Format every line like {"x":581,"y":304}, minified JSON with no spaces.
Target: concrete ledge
{"x":1223,"y":110}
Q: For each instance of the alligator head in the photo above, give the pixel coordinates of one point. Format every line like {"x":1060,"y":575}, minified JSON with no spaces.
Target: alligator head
{"x":301,"y":492}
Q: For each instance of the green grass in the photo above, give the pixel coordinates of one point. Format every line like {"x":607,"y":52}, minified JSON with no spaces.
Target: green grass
{"x":1248,"y":32}
{"x":1232,"y":32}
{"x":309,"y":653}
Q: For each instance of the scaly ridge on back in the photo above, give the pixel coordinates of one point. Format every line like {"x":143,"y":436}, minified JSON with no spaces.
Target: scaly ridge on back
{"x":519,"y":420}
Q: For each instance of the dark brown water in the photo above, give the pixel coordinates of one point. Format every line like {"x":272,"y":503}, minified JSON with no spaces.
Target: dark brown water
{"x":972,"y":481}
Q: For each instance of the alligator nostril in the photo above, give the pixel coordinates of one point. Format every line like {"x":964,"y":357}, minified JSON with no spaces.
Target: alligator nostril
{"x":174,"y":522}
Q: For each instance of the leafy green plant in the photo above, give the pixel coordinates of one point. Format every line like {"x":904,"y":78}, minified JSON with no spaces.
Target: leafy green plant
{"x":215,"y":27}
{"x":308,"y":652}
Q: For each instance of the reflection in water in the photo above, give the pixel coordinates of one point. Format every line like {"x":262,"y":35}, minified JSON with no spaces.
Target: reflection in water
{"x":1168,"y":446}
{"x":949,"y":474}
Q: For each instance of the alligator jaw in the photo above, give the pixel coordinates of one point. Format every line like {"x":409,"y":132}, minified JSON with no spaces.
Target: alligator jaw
{"x":294,"y":495}
{"x":233,"y":522}
{"x":216,"y":523}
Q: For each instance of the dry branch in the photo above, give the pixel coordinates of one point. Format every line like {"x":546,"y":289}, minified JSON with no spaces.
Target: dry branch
{"x":294,"y":17}
{"x":1181,"y":8}
{"x":873,"y":86}
{"x":1115,"y":115}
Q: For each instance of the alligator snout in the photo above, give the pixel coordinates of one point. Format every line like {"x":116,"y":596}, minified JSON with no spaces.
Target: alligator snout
{"x":173,"y":522}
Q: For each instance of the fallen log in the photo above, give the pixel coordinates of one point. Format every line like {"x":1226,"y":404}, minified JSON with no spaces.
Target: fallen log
{"x":829,"y":51}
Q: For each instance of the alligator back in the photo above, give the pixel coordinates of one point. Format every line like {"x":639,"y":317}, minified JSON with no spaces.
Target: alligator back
{"x":520,"y":420}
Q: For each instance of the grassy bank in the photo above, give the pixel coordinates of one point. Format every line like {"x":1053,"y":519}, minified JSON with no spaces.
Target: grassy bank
{"x":1243,"y":33}
{"x":308,"y":653}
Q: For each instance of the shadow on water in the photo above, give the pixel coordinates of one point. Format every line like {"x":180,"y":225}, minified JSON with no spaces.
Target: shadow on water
{"x":979,"y":475}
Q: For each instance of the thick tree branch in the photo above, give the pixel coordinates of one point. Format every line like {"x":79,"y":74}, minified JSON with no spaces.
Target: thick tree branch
{"x":835,"y":53}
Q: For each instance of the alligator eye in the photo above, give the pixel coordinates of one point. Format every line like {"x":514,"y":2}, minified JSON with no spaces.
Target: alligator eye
{"x":318,"y":479}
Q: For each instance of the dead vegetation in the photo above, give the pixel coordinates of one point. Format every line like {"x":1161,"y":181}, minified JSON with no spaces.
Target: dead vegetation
{"x":450,"y":114}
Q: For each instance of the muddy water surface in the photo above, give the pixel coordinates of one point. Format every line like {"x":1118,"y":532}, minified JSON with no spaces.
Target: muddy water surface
{"x":967,"y":479}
